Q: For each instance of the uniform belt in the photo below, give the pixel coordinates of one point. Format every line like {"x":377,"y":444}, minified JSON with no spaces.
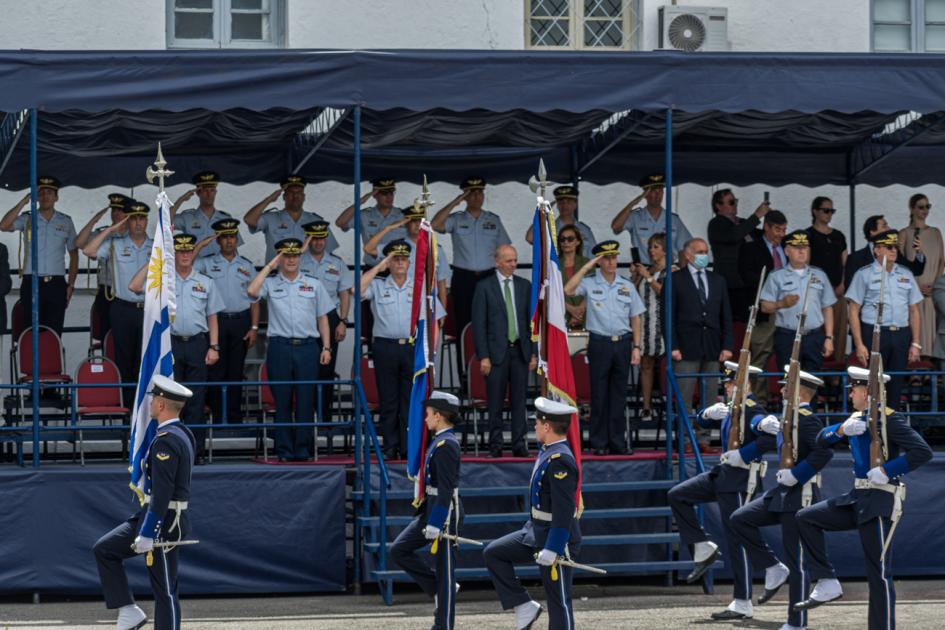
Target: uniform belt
{"x":295,"y":341}
{"x":745,"y":465}
{"x":539,"y":515}
{"x":433,"y":492}
{"x":610,"y":337}
{"x":188,"y":337}
{"x":803,"y":332}
{"x":178,"y":506}
{"x":130,"y":303}
{"x":402,"y":341}
{"x":866,"y":484}
{"x":890,"y":328}
{"x":236,"y":315}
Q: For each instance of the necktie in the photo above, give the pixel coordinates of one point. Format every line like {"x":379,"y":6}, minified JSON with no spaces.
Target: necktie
{"x":509,"y":310}
{"x":703,"y":293}
{"x":776,"y":254}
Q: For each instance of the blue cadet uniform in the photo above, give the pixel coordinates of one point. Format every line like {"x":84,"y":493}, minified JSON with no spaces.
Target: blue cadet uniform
{"x":295,"y":307}
{"x":641,"y":225}
{"x":731,"y":483}
{"x":902,"y":291}
{"x":873,"y":507}
{"x":440,"y":511}
{"x":587,"y":235}
{"x":791,"y":281}
{"x":610,"y":308}
{"x":778,"y":506}
{"x":373,"y":221}
{"x":162,"y":517}
{"x":54,"y":237}
{"x":230,"y":279}
{"x":553,"y":530}
{"x":279,"y":225}
{"x":195,"y":221}
{"x":105,"y":292}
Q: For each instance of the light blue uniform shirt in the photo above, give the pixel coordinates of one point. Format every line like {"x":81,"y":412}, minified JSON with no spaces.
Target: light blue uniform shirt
{"x":372,"y":222}
{"x":194,"y":221}
{"x":787,"y":281}
{"x":642,"y":226}
{"x":610,"y":305}
{"x":230,"y":278}
{"x":126,"y":259}
{"x":391,"y":306}
{"x":197,"y":299}
{"x":902,"y":291}
{"x":331,"y":271}
{"x":54,"y":237}
{"x":586,"y":235}
{"x":278,"y":225}
{"x":442,"y":264}
{"x":295,"y":305}
{"x":475,"y":240}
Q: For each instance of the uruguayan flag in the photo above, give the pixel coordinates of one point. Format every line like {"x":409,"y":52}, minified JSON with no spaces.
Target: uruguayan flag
{"x":156,"y":357}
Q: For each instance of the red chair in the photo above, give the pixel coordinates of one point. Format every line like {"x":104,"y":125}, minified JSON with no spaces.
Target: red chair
{"x":52,"y":358}
{"x":369,"y":384}
{"x":17,"y":321}
{"x":108,"y":345}
{"x":582,"y":378}
{"x":267,"y":402}
{"x":448,"y":345}
{"x":478,"y":396}
{"x":103,"y":403}
{"x":468,"y":345}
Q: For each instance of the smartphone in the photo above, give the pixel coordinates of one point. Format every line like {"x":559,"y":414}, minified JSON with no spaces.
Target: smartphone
{"x":767,"y":197}
{"x":634,"y":255}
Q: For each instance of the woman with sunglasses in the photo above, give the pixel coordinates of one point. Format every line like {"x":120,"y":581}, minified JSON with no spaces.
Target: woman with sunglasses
{"x":920,"y":237}
{"x":828,"y":251}
{"x":649,"y":281}
{"x":570,"y":259}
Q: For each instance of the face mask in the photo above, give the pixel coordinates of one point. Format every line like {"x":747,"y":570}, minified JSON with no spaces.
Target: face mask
{"x":701,"y":261}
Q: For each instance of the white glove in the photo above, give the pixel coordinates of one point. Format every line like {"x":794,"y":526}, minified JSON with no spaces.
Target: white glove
{"x":715,"y":412}
{"x":786,"y":478}
{"x":877,"y":475}
{"x":733,"y":457}
{"x":770,"y":424}
{"x":854,"y":425}
{"x":546,"y":557}
{"x":142,"y":544}
{"x":430,"y":532}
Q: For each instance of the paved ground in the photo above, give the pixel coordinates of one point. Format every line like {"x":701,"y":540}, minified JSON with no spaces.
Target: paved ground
{"x":921,"y":607}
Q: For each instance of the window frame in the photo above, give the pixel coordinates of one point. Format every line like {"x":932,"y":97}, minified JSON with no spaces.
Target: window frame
{"x":222,"y":11}
{"x":576,"y":19}
{"x":918,"y":24}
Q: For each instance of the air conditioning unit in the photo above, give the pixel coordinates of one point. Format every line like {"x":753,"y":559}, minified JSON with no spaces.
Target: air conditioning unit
{"x":693,"y":28}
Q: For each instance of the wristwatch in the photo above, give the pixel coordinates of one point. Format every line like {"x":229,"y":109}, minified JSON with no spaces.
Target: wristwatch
{"x":326,"y":350}
{"x":215,"y":346}
{"x":830,"y":337}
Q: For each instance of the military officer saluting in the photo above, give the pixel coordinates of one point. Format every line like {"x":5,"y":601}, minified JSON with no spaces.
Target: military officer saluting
{"x":566,"y":201}
{"x":644,"y":221}
{"x":873,"y":506}
{"x":299,"y":341}
{"x":163,"y":517}
{"x":783,"y":294}
{"x":730,"y":483}
{"x":199,"y":221}
{"x":375,"y":218}
{"x":798,"y":486}
{"x":287,"y":223}
{"x":899,"y":340}
{"x":441,"y":512}
{"x":238,"y":322}
{"x":613,"y":324}
{"x":553,"y":530}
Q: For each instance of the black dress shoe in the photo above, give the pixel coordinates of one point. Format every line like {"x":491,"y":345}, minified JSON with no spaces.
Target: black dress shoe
{"x":520,"y":452}
{"x":618,"y":451}
{"x":771,"y":592}
{"x":282,"y":459}
{"x":390,"y":453}
{"x":810,"y":603}
{"x":728,"y":615}
{"x":599,"y":451}
{"x":495,"y":452}
{"x":702,"y":567}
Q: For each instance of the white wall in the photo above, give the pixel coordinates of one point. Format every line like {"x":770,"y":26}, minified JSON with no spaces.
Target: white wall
{"x":82,"y":24}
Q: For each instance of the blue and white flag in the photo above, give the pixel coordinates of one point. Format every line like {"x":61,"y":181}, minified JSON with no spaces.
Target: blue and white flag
{"x":159,"y":306}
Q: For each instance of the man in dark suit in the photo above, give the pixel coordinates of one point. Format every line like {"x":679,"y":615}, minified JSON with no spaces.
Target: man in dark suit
{"x":762,"y":251}
{"x":503,"y":345}
{"x":863,"y":257}
{"x":6,"y":283}
{"x":701,"y":323}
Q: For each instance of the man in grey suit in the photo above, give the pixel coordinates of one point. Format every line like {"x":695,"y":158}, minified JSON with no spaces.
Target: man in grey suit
{"x":502,"y":336}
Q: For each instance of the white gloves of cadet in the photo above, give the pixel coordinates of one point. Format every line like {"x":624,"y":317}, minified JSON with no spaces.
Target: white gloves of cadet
{"x":142,"y":544}
{"x":430,"y":532}
{"x":877,"y":475}
{"x":733,"y":457}
{"x":854,"y":425}
{"x":546,"y":557}
{"x":715,"y":412}
{"x":786,"y":478}
{"x":769,"y":424}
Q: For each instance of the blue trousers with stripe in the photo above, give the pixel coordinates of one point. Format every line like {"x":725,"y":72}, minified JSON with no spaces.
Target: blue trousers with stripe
{"x":746,"y":524}
{"x":830,"y":517}
{"x":441,"y":583}
{"x":683,"y":499}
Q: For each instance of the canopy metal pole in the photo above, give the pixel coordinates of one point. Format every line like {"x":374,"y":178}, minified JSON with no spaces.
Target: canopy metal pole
{"x":668,"y":291}
{"x":852,"y":216}
{"x":34,"y":284}
{"x":575,"y":176}
{"x":356,"y":306}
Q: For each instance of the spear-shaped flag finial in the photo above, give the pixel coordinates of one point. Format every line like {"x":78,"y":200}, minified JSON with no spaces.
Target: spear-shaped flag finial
{"x":160,"y":172}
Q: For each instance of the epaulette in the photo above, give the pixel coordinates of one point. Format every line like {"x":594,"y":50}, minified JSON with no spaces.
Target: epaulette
{"x":555,"y":456}
{"x":749,"y":402}
{"x":889,"y":411}
{"x":805,"y":411}
{"x":246,"y":259}
{"x":163,"y":433}
{"x":440,"y":443}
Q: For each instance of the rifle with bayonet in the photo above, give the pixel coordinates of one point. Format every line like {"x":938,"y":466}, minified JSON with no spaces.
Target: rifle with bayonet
{"x":736,"y":436}
{"x":876,"y":399}
{"x":792,"y":389}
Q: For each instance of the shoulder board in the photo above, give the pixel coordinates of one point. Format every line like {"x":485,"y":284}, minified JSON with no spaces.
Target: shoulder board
{"x":440,"y":443}
{"x":163,"y":433}
{"x":244,"y":258}
{"x":561,"y":475}
{"x":889,"y":411}
{"x":805,"y":411}
{"x":164,"y":457}
{"x":555,"y":456}
{"x":749,"y":402}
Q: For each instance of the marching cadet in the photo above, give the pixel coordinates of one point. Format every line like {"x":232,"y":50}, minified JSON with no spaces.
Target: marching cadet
{"x":797,"y":487}
{"x":783,"y":294}
{"x":55,"y":234}
{"x":163,"y":518}
{"x":287,"y":223}
{"x":644,"y":221}
{"x":126,"y":254}
{"x":375,"y":218}
{"x":731,"y":484}
{"x":338,"y":281}
{"x":391,"y":302}
{"x":553,"y":530}
{"x":901,"y":316}
{"x":199,"y":221}
{"x":198,"y":302}
{"x":298,"y":326}
{"x":566,"y":201}
{"x":613,"y":318}
{"x":105,"y":292}
{"x":238,"y":322}
{"x":873,"y":506}
{"x":477,"y":233}
{"x":441,"y":512}
{"x":412,"y":216}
